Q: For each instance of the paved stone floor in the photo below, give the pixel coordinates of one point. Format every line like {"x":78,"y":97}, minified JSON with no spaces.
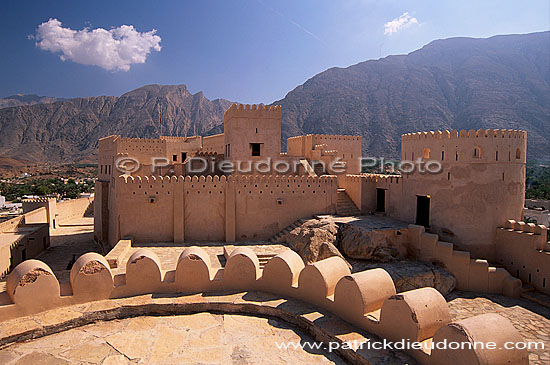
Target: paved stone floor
{"x":73,"y":239}
{"x":201,"y":338}
{"x":530,"y":319}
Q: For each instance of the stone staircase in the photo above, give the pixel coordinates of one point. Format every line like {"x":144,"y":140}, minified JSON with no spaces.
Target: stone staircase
{"x":345,"y":206}
{"x":263,"y":258}
{"x":278,"y":236}
{"x":319,"y":169}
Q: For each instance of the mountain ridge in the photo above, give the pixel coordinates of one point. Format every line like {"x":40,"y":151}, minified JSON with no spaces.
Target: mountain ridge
{"x":456,"y":83}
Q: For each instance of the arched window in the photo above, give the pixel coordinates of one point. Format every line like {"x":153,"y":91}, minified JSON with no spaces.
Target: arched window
{"x":426,"y":153}
{"x":518,"y":154}
{"x":477,"y":152}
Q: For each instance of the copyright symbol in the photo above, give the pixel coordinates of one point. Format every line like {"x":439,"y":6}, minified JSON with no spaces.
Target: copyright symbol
{"x":127,"y":165}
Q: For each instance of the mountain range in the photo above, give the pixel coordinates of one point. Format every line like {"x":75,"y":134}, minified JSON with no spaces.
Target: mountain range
{"x":456,"y":83}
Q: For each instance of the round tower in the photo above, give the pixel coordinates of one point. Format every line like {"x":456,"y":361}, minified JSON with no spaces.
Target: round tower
{"x":481,"y":184}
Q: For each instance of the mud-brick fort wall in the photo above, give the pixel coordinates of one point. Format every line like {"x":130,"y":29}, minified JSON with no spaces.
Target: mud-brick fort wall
{"x":481,"y":185}
{"x":362,"y":189}
{"x":248,"y":124}
{"x":325,"y":147}
{"x":215,"y":143}
{"x":524,"y":251}
{"x":237,"y":208}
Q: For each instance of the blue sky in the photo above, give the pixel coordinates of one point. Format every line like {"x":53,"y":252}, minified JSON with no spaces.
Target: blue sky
{"x":252,"y":51}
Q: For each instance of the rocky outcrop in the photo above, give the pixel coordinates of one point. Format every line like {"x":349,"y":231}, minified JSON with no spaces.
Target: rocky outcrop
{"x":409,"y":275}
{"x":314,"y":240}
{"x":357,"y":243}
{"x":363,"y":249}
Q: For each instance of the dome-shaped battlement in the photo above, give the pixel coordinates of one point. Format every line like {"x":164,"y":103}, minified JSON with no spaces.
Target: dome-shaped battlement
{"x":483,"y":145}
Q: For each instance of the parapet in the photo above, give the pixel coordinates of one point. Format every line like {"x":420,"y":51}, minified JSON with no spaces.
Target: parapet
{"x":367,"y":299}
{"x":334,"y":137}
{"x":470,"y":274}
{"x":259,"y":111}
{"x":39,"y":200}
{"x":374,"y":178}
{"x":472,"y":133}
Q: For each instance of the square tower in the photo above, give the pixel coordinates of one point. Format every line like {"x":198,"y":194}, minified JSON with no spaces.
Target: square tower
{"x":252,"y":132}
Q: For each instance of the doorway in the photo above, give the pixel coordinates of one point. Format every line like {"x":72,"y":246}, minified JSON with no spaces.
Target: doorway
{"x":380,"y":200}
{"x":423,"y":210}
{"x":183,"y":157}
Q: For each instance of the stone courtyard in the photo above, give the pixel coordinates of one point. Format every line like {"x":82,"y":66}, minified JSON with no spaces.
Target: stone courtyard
{"x":202,"y":338}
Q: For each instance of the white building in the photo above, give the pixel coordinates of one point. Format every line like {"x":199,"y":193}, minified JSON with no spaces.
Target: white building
{"x":2,"y":201}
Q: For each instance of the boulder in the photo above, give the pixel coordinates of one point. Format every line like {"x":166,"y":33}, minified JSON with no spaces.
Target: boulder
{"x":314,"y":240}
{"x":358,"y":243}
{"x":409,"y":275}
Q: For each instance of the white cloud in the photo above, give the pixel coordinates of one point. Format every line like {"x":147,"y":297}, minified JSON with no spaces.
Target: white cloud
{"x":404,"y":21}
{"x":114,"y":49}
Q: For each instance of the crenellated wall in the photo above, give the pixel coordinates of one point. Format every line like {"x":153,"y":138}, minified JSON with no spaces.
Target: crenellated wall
{"x":367,"y":299}
{"x":524,"y":251}
{"x":494,"y":145}
{"x":236,"y":208}
{"x":471,"y":274}
{"x":328,"y":148}
{"x":480,"y":186}
{"x":246,"y":126}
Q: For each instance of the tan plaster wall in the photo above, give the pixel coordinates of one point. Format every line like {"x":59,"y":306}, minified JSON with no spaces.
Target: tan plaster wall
{"x":522,"y":250}
{"x":469,"y":198}
{"x":260,"y":216}
{"x":74,"y":208}
{"x":215,"y":143}
{"x":215,"y":209}
{"x":245,"y":124}
{"x":327,"y":148}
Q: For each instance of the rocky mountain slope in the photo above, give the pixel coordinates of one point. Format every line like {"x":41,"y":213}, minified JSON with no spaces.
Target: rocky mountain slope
{"x":68,"y":130}
{"x":457,"y":83}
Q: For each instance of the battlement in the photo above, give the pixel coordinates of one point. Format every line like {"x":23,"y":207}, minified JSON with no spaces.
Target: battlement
{"x":390,"y":179}
{"x":243,"y":179}
{"x":367,"y":300}
{"x":529,"y":228}
{"x":259,"y":111}
{"x":333,"y":137}
{"x":481,"y":146}
{"x":39,"y":200}
{"x":522,"y":249}
{"x":179,"y":139}
{"x":480,"y":133}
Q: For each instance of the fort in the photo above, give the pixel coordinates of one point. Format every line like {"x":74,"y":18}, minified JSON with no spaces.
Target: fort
{"x":467,"y":218}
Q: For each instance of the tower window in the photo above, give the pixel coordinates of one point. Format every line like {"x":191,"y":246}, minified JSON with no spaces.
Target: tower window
{"x":496,"y":156}
{"x":442,"y":155}
{"x":426,"y":153}
{"x":256,"y":149}
{"x":456,"y":157}
{"x":477,"y":152}
{"x":518,"y":154}
{"x":174,"y":157}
